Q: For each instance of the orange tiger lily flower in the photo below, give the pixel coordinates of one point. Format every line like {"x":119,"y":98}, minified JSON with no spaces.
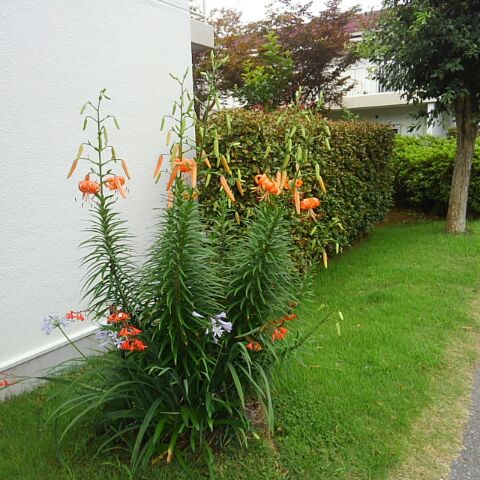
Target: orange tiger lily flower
{"x":260,"y":179}
{"x":185,"y":165}
{"x":270,"y":186}
{"x":116,"y":183}
{"x":88,"y":187}
{"x":309,"y":204}
{"x":298,"y":184}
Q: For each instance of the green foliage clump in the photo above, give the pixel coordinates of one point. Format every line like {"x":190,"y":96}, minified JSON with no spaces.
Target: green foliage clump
{"x":265,"y":84}
{"x":423,"y":173}
{"x":352,"y":158}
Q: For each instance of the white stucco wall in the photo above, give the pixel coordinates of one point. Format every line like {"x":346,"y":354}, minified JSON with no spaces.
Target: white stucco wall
{"x":55,"y":55}
{"x":398,"y":116}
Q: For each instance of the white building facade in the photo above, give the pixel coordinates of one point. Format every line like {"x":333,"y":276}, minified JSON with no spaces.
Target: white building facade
{"x":55,"y":55}
{"x":369,"y":100}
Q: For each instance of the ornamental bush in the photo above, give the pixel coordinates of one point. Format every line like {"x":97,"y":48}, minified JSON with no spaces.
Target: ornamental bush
{"x":423,"y":167}
{"x":347,"y":165}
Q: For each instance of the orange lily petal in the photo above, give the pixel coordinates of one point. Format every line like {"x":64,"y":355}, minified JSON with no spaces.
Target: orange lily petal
{"x":125,"y":169}
{"x":225,"y":164}
{"x":158,"y":167}
{"x":278,"y":178}
{"x":240,"y":188}
{"x":72,"y":168}
{"x":194,"y":174}
{"x":226,"y":188}
{"x":296,"y":197}
{"x":120,"y":188}
{"x":173,"y":176}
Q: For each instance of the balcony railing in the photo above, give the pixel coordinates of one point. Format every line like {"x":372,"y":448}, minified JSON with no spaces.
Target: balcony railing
{"x":363,"y":83}
{"x":198,"y":10}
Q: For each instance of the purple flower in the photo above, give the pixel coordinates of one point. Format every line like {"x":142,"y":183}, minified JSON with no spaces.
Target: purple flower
{"x":106,"y":338}
{"x":219,"y":326}
{"x":51,"y":322}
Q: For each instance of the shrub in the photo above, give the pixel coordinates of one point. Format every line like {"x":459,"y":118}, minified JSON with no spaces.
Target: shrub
{"x":423,"y":168}
{"x":352,"y":158}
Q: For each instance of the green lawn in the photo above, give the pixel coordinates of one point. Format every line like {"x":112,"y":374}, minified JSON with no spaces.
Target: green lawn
{"x":345,"y":405}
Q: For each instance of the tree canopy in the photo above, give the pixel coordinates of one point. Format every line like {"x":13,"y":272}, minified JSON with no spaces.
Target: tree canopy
{"x":430,"y":50}
{"x":318,"y":43}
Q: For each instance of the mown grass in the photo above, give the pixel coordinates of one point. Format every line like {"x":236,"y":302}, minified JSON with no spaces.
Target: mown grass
{"x":345,"y":405}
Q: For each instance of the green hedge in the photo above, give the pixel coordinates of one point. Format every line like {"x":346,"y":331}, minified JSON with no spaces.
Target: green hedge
{"x":423,"y":173}
{"x":356,"y":171}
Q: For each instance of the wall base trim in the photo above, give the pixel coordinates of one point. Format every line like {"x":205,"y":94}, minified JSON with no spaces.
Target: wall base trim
{"x":41,"y":363}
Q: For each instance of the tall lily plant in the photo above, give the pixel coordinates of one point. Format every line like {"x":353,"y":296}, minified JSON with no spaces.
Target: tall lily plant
{"x":192,"y":333}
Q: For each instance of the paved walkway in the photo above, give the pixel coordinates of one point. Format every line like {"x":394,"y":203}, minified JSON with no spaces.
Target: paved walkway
{"x":467,"y":465}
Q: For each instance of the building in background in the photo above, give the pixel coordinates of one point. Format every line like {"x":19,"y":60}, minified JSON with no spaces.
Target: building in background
{"x":369,"y":100}
{"x":55,"y":56}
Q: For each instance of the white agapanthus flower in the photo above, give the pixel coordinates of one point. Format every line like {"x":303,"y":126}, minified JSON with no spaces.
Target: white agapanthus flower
{"x":219,"y":326}
{"x":106,"y":338}
{"x":51,"y":322}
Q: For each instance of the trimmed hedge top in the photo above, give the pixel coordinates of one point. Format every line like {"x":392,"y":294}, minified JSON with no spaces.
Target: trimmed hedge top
{"x":356,"y":171}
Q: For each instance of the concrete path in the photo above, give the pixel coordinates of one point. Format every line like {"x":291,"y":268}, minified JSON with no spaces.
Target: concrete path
{"x":467,"y":465}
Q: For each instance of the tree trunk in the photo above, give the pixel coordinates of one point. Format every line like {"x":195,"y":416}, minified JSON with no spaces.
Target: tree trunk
{"x":465,"y":110}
